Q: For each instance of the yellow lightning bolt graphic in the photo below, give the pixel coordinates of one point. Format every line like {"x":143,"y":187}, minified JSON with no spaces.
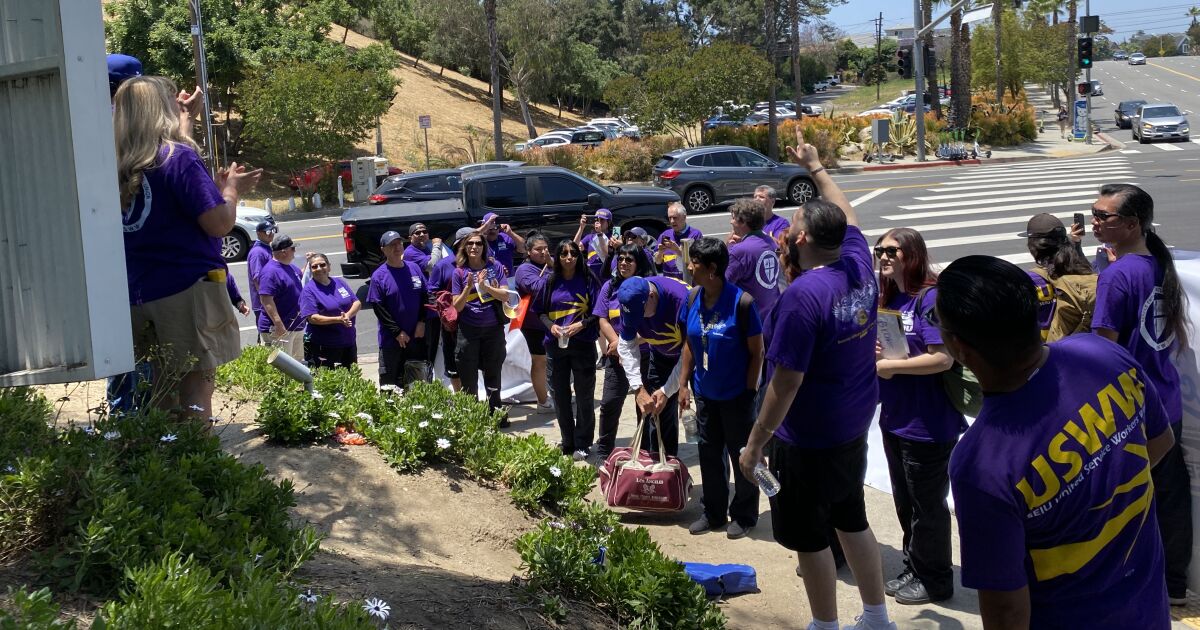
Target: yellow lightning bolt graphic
{"x":581,"y":307}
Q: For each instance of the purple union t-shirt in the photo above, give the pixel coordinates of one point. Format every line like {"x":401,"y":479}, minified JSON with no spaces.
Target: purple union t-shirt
{"x":1129,"y":301}
{"x":400,"y":290}
{"x":166,"y":250}
{"x":530,"y":280}
{"x":281,"y":282}
{"x":569,"y":302}
{"x":503,"y":249}
{"x":776,"y":225}
{"x":824,"y":326}
{"x":672,"y":265}
{"x":915,"y":407}
{"x":754,"y":268}
{"x":480,"y":310}
{"x":330,"y":300}
{"x":662,"y":332}
{"x":257,"y":258}
{"x":1052,"y":491}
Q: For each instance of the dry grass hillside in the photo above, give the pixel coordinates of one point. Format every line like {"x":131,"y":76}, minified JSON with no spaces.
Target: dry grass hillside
{"x":456,"y":103}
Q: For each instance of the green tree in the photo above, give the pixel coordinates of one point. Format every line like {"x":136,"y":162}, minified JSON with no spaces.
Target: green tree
{"x":300,"y":113}
{"x":400,"y":24}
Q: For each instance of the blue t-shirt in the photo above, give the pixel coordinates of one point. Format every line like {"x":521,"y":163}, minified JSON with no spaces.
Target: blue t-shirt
{"x":824,"y":326}
{"x":590,"y":244}
{"x":1052,"y":490}
{"x":166,"y":250}
{"x":569,"y":301}
{"x":915,"y":406}
{"x":419,"y":257}
{"x":400,"y":290}
{"x":480,"y":309}
{"x":776,"y":225}
{"x":257,"y":258}
{"x":330,"y":300}
{"x":715,"y":334}
{"x":281,"y":282}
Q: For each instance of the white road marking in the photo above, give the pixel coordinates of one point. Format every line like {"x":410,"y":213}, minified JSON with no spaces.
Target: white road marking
{"x":972,"y":202}
{"x":1122,"y":171}
{"x":1130,"y":151}
{"x":1065,"y":170}
{"x":1001,"y":192}
{"x":970,"y":240}
{"x":869,"y":196}
{"x":1167,"y":147}
{"x":1017,"y":259}
{"x":1051,"y":164}
{"x":1005,"y":208}
{"x":1021,"y":184}
{"x":933,"y":227}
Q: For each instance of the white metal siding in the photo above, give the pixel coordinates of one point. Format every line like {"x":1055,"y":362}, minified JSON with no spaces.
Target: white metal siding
{"x":63,"y":304}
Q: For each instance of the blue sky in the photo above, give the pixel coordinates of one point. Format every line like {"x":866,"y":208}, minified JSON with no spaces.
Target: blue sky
{"x":1123,"y":16}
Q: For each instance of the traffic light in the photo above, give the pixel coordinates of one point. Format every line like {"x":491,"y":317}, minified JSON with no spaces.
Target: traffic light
{"x":1085,"y":88}
{"x":904,"y":62}
{"x":930,"y":61}
{"x":1085,"y":52}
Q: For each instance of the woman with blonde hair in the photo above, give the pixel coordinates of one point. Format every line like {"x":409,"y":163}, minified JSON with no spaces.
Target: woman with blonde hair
{"x":174,"y":215}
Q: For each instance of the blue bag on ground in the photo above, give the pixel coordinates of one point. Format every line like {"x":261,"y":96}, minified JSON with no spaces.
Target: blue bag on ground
{"x":723,"y":579}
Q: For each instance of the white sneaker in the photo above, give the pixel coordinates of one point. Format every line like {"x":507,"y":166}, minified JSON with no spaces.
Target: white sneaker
{"x":864,"y":625}
{"x":580,"y":455}
{"x":546,"y":407}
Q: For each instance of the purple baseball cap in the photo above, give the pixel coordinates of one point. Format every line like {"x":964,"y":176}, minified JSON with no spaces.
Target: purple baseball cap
{"x":604,"y":213}
{"x":489,"y":216}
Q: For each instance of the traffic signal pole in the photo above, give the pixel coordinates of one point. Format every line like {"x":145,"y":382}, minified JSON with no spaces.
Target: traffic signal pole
{"x":918,"y":64}
{"x":1087,"y":76}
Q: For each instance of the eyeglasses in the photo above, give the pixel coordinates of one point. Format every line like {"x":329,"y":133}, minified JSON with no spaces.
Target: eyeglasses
{"x":474,"y":243}
{"x":626,"y":259}
{"x":1101,"y":215}
{"x":567,"y":254}
{"x":889,"y":251}
{"x":316,"y":266}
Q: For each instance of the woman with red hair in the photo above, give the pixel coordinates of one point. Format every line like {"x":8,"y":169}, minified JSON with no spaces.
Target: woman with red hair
{"x":920,"y":426}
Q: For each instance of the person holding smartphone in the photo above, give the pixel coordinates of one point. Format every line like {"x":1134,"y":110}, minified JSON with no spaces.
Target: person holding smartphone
{"x":669,"y":256}
{"x":1065,"y":282}
{"x":595,"y":244}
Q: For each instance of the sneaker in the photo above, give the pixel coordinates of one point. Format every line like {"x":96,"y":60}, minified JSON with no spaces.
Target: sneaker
{"x":546,"y":407}
{"x":915,"y":593}
{"x":1181,"y":600}
{"x":892,"y":586}
{"x":700,"y":525}
{"x":736,"y":531}
{"x":863,"y":624}
{"x":580,"y":455}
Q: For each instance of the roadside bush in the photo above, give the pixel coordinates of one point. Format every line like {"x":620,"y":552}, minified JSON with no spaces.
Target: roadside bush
{"x":620,"y":160}
{"x":250,"y":377}
{"x":540,"y":476}
{"x":825,"y":134}
{"x":25,"y":473}
{"x":1008,"y":123}
{"x":35,"y":610}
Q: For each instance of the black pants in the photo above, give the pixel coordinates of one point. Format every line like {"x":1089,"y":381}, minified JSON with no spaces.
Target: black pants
{"x":612,"y":400}
{"x":433,"y":338}
{"x":319,"y":355}
{"x":577,"y":426}
{"x":1173,"y":507}
{"x":724,"y":427}
{"x":392,"y":360}
{"x":920,"y":485}
{"x":481,"y":348}
{"x":449,"y":348}
{"x":660,"y":368}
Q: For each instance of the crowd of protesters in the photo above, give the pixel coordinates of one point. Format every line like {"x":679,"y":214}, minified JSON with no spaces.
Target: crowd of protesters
{"x":1071,"y":492}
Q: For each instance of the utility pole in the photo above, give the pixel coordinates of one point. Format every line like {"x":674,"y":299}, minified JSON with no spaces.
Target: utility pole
{"x":878,"y":50}
{"x":201,"y":62}
{"x":1087,"y":76}
{"x":918,"y":61}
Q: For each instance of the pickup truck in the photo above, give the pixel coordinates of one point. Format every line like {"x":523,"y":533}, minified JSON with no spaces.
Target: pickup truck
{"x":548,"y":198}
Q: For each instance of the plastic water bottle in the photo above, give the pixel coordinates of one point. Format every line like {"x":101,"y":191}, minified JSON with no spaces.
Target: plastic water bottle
{"x":766,"y":481}
{"x":690,"y":430}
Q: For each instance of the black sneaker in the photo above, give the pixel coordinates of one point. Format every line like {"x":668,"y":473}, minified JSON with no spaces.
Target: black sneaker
{"x":915,"y":593}
{"x":892,"y":586}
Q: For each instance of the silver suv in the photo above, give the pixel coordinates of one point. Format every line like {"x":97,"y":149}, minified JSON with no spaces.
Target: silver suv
{"x":1159,"y":121}
{"x":706,"y":176}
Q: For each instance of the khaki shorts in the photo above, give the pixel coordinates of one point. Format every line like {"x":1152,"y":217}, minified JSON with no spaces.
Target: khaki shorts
{"x":292,"y":342}
{"x":194,"y":329}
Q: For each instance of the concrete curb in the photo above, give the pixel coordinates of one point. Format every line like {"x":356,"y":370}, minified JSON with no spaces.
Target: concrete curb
{"x":1112,"y":144}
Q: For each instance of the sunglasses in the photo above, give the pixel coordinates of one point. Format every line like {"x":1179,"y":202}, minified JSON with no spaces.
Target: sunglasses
{"x":1103,"y":216}
{"x":889,"y":251}
{"x":626,"y":259}
{"x":420,"y":232}
{"x":566,"y":253}
{"x":474,"y":243}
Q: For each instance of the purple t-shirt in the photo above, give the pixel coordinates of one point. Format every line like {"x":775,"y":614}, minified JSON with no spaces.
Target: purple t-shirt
{"x":400,"y":290}
{"x":419,"y":257}
{"x":281,"y":282}
{"x":672,"y":264}
{"x":1052,"y":491}
{"x":166,"y":250}
{"x":590,"y":244}
{"x":330,"y":300}
{"x":1047,"y":301}
{"x":530,"y":280}
{"x":754,"y":268}
{"x":480,"y":310}
{"x":662,"y":331}
{"x":569,"y":301}
{"x":776,"y":225}
{"x":824,"y":326}
{"x":257,"y":258}
{"x":608,"y":306}
{"x":915,"y":407}
{"x":439,"y":277}
{"x":503,"y":249}
{"x":1129,"y":301}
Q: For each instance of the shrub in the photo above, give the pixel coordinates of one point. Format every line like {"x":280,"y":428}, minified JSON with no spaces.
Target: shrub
{"x":25,"y":474}
{"x":249,"y":376}
{"x":620,"y":160}
{"x":35,"y":610}
{"x":539,"y":475}
{"x":1008,"y":123}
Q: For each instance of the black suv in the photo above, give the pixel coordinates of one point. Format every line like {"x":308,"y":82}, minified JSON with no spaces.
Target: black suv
{"x":706,"y":176}
{"x":420,"y":186}
{"x":1123,"y":114}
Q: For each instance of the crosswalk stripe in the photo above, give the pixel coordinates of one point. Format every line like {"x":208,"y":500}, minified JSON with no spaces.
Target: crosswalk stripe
{"x":1119,"y":161}
{"x":1044,"y":163}
{"x":972,"y":240}
{"x":1023,"y":183}
{"x":1040,"y":175}
{"x":972,"y":202}
{"x":1005,"y":208}
{"x":1196,"y":140}
{"x":1124,"y":171}
{"x":869,"y":196}
{"x":987,"y":193}
{"x":1167,"y":147}
{"x":934,"y":227}
{"x":1136,"y":151}
{"x":1017,"y":259}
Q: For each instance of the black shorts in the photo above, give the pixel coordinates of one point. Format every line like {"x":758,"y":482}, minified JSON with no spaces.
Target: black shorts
{"x":536,"y":340}
{"x":819,"y":488}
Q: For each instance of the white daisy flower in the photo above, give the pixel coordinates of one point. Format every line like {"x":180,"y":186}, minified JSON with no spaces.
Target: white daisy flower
{"x":415,"y":407}
{"x":112,"y":435}
{"x":308,"y":597}
{"x":168,"y":438}
{"x":556,"y":471}
{"x":437,"y":416}
{"x":9,"y":469}
{"x":196,"y":408}
{"x":556,"y":525}
{"x":376,"y":607}
{"x":443,"y":443}
{"x":90,"y":430}
{"x":401,"y":430}
{"x":422,"y":424}
{"x":335,"y":415}
{"x":317,"y":395}
{"x":364,"y":416}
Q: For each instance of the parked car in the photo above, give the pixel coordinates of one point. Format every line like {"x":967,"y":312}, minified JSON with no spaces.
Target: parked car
{"x":878,"y":111}
{"x":832,"y":80}
{"x":236,"y":244}
{"x":626,"y":128}
{"x":1123,"y":114}
{"x":588,"y":137}
{"x":780,"y":112}
{"x":1160,"y":121}
{"x":706,"y":176}
{"x":549,"y":198}
{"x":820,"y":86}
{"x":763,"y":105}
{"x":1097,"y":89}
{"x":721,"y":120}
{"x":1120,"y":55}
{"x":811,"y":110}
{"x":1137,"y":59}
{"x":308,"y":178}
{"x":546,"y":141}
{"x":420,"y":186}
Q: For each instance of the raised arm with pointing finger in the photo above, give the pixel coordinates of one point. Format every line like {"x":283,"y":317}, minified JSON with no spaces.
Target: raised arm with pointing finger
{"x":805,"y":155}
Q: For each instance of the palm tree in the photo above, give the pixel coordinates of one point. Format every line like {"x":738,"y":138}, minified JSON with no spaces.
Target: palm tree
{"x":997,"y":18}
{"x":960,"y":69}
{"x":489,"y":11}
{"x":1193,"y":13}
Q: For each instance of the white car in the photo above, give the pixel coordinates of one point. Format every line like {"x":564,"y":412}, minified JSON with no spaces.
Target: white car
{"x":236,"y":244}
{"x":1137,"y":59}
{"x":878,"y":111}
{"x":544,"y":142}
{"x":624,"y":127}
{"x":820,"y":86}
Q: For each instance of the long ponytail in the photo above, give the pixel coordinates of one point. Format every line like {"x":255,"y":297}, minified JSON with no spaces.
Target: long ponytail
{"x":1173,"y":297}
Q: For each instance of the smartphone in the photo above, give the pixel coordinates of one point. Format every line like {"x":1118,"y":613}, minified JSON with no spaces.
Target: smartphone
{"x":1078,"y":218}
{"x":616,"y":231}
